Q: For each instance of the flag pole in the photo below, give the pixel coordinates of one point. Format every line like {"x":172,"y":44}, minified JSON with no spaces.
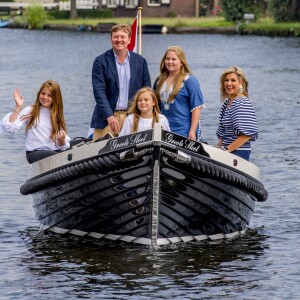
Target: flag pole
{"x":140,"y":29}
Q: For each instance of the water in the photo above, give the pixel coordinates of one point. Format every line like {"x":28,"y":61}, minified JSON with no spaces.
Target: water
{"x":263,"y":264}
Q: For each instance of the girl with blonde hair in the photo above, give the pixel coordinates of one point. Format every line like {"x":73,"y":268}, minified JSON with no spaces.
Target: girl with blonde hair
{"x":143,"y":113}
{"x":179,"y":94}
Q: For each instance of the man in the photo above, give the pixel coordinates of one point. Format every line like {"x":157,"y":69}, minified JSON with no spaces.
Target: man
{"x":117,"y":75}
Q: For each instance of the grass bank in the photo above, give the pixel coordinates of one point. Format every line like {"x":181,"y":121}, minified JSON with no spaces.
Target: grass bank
{"x":169,"y":22}
{"x":268,"y":27}
{"x":264,"y":26}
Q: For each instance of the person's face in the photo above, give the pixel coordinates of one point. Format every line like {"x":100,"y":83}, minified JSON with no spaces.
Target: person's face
{"x":172,"y":62}
{"x":45,"y":98}
{"x":120,"y":40}
{"x":231,"y":85}
{"x":145,"y":102}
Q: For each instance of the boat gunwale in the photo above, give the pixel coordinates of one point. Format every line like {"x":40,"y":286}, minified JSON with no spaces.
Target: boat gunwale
{"x":209,"y":165}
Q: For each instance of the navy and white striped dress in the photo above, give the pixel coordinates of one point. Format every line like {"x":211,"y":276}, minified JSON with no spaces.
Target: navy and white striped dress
{"x":239,"y":119}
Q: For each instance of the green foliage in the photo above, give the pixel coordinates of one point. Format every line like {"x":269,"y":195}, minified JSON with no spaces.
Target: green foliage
{"x":83,"y":14}
{"x":59,"y":14}
{"x":257,"y":7}
{"x":234,"y":10}
{"x":179,"y":24}
{"x":285,"y":10}
{"x":172,"y":14}
{"x":268,"y":27}
{"x":94,"y":14}
{"x":35,"y":16}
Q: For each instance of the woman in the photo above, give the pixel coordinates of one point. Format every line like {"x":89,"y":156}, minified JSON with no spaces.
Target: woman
{"x":237,"y":121}
{"x":179,"y":94}
{"x":45,"y":127}
{"x":143,"y":113}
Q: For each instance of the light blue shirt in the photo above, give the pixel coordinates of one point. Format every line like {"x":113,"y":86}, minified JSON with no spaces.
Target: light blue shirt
{"x":124,"y":80}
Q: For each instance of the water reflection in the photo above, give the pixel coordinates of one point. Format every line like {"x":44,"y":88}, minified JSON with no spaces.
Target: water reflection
{"x":57,"y":260}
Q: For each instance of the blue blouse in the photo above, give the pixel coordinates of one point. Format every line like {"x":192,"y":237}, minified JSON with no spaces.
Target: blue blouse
{"x":239,"y":119}
{"x":179,"y":110}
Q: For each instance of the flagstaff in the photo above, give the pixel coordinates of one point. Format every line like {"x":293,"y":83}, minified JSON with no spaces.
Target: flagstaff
{"x":140,"y":29}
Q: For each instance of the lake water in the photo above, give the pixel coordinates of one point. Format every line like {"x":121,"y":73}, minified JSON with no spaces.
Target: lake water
{"x":263,"y":264}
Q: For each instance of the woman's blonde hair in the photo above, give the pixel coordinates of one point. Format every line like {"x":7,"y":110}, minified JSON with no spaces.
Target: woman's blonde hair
{"x":57,"y":109}
{"x":184,"y":70}
{"x":241,"y":77}
{"x":137,"y":113}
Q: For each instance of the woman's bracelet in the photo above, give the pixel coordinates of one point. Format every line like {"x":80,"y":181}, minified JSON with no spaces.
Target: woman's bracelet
{"x":16,"y":111}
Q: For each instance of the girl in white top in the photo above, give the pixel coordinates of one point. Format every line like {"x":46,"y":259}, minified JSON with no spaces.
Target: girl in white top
{"x":143,"y":113}
{"x":45,"y":127}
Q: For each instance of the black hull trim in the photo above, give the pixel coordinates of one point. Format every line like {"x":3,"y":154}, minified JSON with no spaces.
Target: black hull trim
{"x":201,"y":166}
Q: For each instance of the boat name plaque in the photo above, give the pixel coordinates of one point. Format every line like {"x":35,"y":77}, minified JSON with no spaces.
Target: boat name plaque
{"x":182,"y":142}
{"x":127,"y":141}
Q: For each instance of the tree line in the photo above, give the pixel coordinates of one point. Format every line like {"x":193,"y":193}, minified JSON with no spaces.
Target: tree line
{"x":279,"y":10}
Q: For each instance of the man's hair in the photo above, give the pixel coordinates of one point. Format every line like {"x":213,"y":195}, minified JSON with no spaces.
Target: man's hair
{"x":125,"y":27}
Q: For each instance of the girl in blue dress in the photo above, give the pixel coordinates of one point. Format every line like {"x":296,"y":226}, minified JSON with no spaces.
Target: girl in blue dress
{"x":179,"y":94}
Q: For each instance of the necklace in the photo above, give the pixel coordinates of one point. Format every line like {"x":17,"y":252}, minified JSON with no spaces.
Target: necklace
{"x":165,"y":94}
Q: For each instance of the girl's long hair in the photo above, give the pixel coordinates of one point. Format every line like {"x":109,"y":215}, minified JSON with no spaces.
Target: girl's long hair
{"x":57,"y":109}
{"x":136,"y":112}
{"x":164,"y":73}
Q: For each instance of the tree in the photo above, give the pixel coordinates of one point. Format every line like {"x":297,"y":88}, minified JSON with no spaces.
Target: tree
{"x":73,"y":10}
{"x":234,"y":10}
{"x":35,"y":16}
{"x":285,"y":10}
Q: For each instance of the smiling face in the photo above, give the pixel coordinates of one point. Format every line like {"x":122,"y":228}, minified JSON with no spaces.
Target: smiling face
{"x":231,"y":85}
{"x":145,"y":104}
{"x":120,"y":40}
{"x":45,"y":98}
{"x":172,"y":62}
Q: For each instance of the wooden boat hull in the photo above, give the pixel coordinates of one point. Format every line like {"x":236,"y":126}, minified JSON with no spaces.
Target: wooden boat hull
{"x":152,"y":193}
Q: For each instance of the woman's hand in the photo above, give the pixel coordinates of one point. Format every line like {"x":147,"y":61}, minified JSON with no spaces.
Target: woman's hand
{"x":60,"y":138}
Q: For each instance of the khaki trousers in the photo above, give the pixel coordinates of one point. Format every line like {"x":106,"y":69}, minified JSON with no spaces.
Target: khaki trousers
{"x":120,"y":115}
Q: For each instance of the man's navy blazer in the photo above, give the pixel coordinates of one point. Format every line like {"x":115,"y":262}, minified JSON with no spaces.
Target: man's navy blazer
{"x":105,"y":82}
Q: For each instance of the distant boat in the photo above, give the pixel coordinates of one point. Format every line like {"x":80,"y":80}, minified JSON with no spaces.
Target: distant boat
{"x":4,"y":24}
{"x":152,"y":188}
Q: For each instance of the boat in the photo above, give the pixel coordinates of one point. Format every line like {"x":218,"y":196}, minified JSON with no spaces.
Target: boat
{"x":4,"y":24}
{"x":152,"y":188}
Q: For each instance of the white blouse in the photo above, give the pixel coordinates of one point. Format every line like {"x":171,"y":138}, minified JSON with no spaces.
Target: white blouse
{"x":144,"y":124}
{"x":37,"y":137}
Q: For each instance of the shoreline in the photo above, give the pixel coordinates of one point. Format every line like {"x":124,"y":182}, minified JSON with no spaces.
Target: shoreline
{"x":161,"y":29}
